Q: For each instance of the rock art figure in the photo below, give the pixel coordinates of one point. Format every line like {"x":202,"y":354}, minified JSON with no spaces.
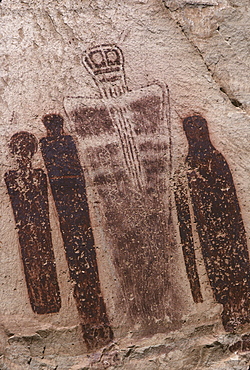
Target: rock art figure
{"x":69,"y":191}
{"x":219,"y":224}
{"x":124,"y":136}
{"x":185,"y":228}
{"x":27,"y":188}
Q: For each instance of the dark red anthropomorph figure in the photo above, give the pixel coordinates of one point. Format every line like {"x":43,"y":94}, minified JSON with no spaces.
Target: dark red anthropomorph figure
{"x":125,"y":138}
{"x":219,"y":224}
{"x":69,"y":191}
{"x":27,"y":188}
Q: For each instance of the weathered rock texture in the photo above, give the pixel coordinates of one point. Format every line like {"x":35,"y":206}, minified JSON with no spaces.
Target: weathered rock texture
{"x":125,"y":231}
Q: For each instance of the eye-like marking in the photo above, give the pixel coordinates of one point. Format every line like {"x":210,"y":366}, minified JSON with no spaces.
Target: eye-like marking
{"x":97,"y":59}
{"x":112,"y":57}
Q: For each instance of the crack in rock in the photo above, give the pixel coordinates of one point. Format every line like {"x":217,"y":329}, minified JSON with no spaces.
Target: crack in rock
{"x":173,"y":9}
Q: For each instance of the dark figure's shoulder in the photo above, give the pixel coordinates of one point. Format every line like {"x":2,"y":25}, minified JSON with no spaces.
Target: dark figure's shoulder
{"x":10,"y":176}
{"x":220,"y":167}
{"x":11,"y":180}
{"x":218,"y":156}
{"x":219,"y":161}
{"x":60,"y":139}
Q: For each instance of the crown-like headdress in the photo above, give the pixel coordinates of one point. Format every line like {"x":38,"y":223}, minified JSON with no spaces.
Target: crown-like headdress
{"x":106,"y":65}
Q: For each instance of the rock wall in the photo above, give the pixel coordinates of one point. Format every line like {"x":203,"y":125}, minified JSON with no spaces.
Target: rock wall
{"x":125,"y":215}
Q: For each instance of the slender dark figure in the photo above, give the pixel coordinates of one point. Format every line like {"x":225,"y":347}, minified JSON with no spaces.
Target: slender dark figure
{"x":219,"y":224}
{"x":27,"y":188}
{"x":186,"y":235}
{"x":69,"y":192}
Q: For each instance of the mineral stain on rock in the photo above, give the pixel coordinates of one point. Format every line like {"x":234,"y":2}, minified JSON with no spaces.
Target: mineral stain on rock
{"x":27,"y":188}
{"x":219,"y":224}
{"x":69,"y":191}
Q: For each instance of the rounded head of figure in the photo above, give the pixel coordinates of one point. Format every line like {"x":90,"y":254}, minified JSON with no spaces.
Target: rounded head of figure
{"x":23,"y":145}
{"x":53,"y":124}
{"x":196,"y":129}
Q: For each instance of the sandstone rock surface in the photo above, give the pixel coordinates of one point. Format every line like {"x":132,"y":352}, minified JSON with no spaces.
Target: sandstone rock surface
{"x":180,"y":59}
